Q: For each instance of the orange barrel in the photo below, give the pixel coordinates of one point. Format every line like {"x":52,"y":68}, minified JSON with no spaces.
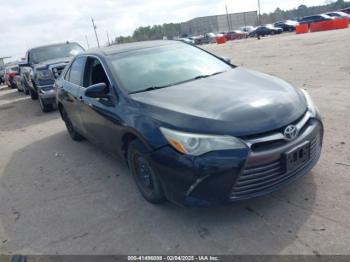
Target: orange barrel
{"x":220,"y":40}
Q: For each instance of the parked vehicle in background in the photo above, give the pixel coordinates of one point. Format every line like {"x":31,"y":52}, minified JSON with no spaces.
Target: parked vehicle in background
{"x":2,"y":75}
{"x":287,"y":26}
{"x":43,"y":65}
{"x":338,"y":15}
{"x":10,"y":73}
{"x":346,"y":10}
{"x":266,"y":30}
{"x":187,"y":41}
{"x":237,"y":34}
{"x":204,"y":39}
{"x":247,"y":29}
{"x":314,"y":19}
{"x":19,"y":79}
{"x":194,"y":129}
{"x":196,"y":39}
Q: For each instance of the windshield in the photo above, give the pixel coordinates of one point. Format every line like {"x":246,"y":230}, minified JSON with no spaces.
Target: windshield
{"x":163,"y":66}
{"x":52,"y":52}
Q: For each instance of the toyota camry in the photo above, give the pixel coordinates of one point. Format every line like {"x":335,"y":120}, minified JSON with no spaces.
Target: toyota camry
{"x":193,"y":128}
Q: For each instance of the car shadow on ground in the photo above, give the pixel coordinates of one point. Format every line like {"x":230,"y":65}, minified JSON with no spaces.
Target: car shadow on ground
{"x":60,"y":196}
{"x":22,"y":108}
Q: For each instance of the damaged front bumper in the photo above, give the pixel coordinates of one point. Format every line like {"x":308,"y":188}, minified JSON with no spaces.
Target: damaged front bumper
{"x":231,"y":175}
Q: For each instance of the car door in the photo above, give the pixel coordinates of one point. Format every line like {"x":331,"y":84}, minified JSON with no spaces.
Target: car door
{"x":100,"y":118}
{"x":72,"y":82}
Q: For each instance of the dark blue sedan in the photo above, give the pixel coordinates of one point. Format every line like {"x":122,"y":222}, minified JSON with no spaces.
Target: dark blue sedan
{"x":193,"y":128}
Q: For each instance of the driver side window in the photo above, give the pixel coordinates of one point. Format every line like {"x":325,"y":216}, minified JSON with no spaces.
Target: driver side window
{"x":94,"y":73}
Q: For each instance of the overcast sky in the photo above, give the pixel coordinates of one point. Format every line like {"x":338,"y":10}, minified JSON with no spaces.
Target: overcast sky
{"x":28,"y":23}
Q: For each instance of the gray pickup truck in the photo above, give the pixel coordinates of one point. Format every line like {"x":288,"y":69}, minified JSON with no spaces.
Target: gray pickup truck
{"x":42,"y":66}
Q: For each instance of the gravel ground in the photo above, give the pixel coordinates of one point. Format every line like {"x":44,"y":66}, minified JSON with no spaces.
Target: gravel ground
{"x":62,"y":197}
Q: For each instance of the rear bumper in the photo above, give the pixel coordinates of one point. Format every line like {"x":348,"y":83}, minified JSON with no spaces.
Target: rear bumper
{"x":222,"y":176}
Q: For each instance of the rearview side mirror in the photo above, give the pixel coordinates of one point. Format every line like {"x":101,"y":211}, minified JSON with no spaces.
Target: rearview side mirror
{"x":99,"y":90}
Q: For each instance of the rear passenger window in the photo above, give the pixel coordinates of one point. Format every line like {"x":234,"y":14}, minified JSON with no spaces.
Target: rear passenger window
{"x":76,"y":71}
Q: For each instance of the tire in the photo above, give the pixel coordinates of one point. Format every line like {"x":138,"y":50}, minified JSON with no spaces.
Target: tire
{"x":144,"y":175}
{"x":71,"y":131}
{"x":45,"y":107}
{"x":26,"y":91}
{"x":33,"y":94}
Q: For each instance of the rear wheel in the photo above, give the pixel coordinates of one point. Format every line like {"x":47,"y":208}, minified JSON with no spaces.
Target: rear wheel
{"x":144,"y":175}
{"x":33,"y":94}
{"x":70,"y":128}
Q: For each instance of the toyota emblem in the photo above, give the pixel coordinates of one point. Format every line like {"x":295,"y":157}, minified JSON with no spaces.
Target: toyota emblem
{"x":290,"y":132}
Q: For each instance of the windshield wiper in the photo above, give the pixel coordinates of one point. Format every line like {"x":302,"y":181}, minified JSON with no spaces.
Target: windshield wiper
{"x":149,"y":89}
{"x":204,"y":76}
{"x":177,"y":83}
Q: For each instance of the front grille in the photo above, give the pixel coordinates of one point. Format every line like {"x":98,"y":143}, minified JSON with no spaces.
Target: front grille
{"x":258,"y":179}
{"x":275,"y":139}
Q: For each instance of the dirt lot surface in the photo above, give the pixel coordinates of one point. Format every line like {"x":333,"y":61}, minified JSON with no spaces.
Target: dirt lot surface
{"x":59,"y":196}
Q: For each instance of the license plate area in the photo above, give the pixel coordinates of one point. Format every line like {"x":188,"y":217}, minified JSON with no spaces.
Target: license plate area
{"x":297,"y":156}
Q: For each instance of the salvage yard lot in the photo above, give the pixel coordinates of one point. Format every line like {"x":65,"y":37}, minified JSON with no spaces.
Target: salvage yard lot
{"x":60,"y":196}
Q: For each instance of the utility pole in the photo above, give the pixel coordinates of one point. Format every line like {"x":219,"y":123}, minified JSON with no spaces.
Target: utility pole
{"x":87,"y":42}
{"x":259,"y":13}
{"x":95,"y":27}
{"x":228,"y":21}
{"x":109,"y":43}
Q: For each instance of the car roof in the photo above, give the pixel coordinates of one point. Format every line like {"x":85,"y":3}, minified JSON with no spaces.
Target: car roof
{"x":51,"y":45}
{"x":122,"y":48}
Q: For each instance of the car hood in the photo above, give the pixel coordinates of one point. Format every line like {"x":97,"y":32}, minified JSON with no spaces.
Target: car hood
{"x":238,"y":102}
{"x":47,"y":63}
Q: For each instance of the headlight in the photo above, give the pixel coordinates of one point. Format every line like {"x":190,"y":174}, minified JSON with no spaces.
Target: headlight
{"x":198,"y":144}
{"x":310,"y":104}
{"x":44,"y":74}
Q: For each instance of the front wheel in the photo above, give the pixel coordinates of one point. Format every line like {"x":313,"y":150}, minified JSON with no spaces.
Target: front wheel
{"x":143,"y":173}
{"x":33,"y":94}
{"x":70,"y":128}
{"x":45,"y":107}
